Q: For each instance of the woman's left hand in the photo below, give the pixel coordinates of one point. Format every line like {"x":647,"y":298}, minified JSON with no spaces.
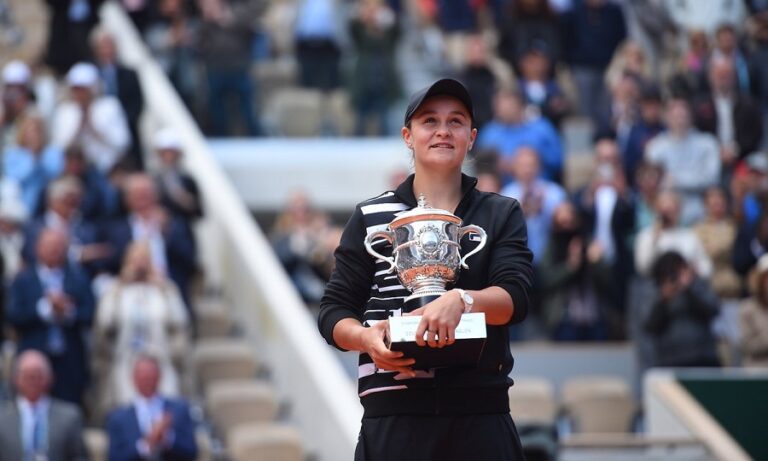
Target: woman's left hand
{"x":439,"y":320}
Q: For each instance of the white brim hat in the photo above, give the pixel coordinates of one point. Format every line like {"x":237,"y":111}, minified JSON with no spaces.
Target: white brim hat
{"x":16,"y":73}
{"x":167,"y":139}
{"x":83,"y":74}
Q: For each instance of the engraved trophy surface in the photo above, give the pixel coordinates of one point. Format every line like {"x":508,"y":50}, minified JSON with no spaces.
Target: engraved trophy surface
{"x":425,"y":251}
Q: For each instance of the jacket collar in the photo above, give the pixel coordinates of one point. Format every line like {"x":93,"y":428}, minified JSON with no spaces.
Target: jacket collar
{"x":405,"y":192}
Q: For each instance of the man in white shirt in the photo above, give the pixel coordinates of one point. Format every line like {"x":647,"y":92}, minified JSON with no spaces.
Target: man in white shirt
{"x":691,"y":160}
{"x":97,"y":122}
{"x":35,"y":426}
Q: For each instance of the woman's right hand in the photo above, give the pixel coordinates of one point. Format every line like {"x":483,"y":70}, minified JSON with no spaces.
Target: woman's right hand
{"x":372,"y":342}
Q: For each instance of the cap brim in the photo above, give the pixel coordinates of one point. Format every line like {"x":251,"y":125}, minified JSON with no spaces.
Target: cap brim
{"x":443,"y":87}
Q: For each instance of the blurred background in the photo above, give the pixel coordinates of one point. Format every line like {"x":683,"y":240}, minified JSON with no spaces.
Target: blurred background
{"x":175,"y":175}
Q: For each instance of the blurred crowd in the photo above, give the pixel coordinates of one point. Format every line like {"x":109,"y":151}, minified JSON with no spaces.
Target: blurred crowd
{"x":97,"y":251}
{"x":656,"y":230}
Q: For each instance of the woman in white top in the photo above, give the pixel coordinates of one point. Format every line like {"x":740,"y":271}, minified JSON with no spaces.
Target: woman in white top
{"x":141,"y":313}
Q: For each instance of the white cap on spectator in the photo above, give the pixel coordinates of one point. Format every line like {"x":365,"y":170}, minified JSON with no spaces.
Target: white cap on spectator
{"x":83,"y":74}
{"x":16,"y":73}
{"x":167,"y":139}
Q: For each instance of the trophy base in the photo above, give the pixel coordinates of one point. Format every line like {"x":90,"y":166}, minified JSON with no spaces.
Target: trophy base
{"x":414,"y":302}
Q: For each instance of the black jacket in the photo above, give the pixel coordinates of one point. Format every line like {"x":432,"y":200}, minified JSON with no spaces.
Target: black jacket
{"x":359,"y":288}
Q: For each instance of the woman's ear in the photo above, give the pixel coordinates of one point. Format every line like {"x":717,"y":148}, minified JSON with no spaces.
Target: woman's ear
{"x":405,"y":132}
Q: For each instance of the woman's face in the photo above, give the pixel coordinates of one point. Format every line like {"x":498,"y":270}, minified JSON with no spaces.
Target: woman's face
{"x":440,"y":134}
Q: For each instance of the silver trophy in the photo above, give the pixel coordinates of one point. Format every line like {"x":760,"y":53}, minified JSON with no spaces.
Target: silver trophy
{"x":425,"y":251}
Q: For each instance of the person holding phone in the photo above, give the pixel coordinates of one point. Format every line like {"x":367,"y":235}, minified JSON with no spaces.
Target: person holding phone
{"x":443,"y":413}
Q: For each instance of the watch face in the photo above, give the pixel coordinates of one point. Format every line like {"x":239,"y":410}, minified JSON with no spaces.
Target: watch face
{"x":468,"y":299}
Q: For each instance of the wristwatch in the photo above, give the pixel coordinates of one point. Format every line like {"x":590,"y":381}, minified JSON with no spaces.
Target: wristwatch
{"x":468,"y":300}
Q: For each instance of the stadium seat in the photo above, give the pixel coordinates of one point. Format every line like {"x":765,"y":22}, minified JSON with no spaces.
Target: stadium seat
{"x":221,"y":359}
{"x":214,"y":320}
{"x":599,"y":404}
{"x":296,"y":112}
{"x":267,"y":441}
{"x":232,"y":403}
{"x":532,"y":400}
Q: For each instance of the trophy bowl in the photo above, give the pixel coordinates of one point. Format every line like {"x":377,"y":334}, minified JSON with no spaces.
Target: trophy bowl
{"x":425,"y":251}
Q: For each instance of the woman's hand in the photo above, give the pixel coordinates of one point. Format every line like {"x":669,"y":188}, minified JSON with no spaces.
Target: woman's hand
{"x":439,"y":320}
{"x":372,"y":342}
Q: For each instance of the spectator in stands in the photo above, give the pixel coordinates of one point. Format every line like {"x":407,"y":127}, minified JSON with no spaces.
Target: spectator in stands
{"x":733,"y":117}
{"x":96,"y":122}
{"x":691,"y":159}
{"x":751,"y":244}
{"x":487,"y":172}
{"x":717,"y":233}
{"x":510,"y":129}
{"x":99,"y":201}
{"x":538,"y":85}
{"x":122,"y":83}
{"x":299,"y":240}
{"x":153,"y":426}
{"x":629,"y":59}
{"x":171,"y":37}
{"x":607,"y":210}
{"x":620,"y":112}
{"x":727,"y":46}
{"x":224,"y":46}
{"x":317,"y":46}
{"x":679,"y":321}
{"x":525,"y":23}
{"x":16,"y":103}
{"x":457,"y":19}
{"x":178,"y":191}
{"x":648,"y":181}
{"x":481,"y":79}
{"x":33,"y":162}
{"x":692,"y":78}
{"x":142,"y":313}
{"x":574,"y":279}
{"x":374,"y":84}
{"x":753,"y":320}
{"x":51,"y":307}
{"x":171,"y":243}
{"x":87,"y":248}
{"x":705,"y":15}
{"x":70,"y":25}
{"x":648,"y":125}
{"x":665,"y":235}
{"x":13,"y":215}
{"x":35,"y":426}
{"x":537,"y":196}
{"x":592,"y":31}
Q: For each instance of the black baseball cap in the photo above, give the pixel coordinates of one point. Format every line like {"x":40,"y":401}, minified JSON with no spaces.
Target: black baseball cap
{"x":446,"y":86}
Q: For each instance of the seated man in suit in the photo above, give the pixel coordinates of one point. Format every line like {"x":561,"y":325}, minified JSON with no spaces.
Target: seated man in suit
{"x":36,"y":426}
{"x":153,"y":427}
{"x":170,"y":239}
{"x":51,"y":307}
{"x":62,"y":212}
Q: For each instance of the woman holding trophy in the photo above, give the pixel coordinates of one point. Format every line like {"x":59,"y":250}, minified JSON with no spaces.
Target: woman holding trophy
{"x":451,"y":412}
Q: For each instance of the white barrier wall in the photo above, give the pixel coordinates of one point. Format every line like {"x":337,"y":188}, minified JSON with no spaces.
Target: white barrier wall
{"x":236,"y":255}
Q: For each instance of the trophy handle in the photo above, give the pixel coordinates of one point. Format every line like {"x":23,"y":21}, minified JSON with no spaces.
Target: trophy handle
{"x":386,"y":235}
{"x":472,"y":229}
